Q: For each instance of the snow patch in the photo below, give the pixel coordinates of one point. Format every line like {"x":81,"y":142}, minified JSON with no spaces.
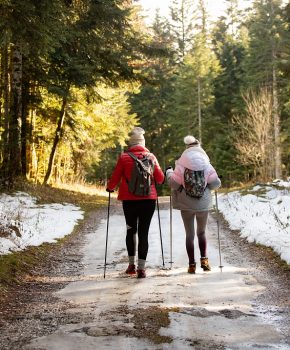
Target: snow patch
{"x":25,"y":223}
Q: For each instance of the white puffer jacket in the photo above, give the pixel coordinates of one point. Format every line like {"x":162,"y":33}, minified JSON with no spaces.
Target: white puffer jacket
{"x":194,"y":158}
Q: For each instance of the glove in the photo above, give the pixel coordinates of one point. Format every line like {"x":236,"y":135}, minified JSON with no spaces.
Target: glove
{"x":169,"y":167}
{"x":108,"y":190}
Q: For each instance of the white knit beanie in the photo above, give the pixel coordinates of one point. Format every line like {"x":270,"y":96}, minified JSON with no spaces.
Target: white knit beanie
{"x":190,"y":141}
{"x":137,"y":137}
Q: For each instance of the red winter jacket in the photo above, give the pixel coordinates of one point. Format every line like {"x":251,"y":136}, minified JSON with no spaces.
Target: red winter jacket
{"x":123,"y":170}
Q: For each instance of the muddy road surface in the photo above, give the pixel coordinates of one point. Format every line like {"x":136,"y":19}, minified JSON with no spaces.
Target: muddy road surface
{"x":67,"y":304}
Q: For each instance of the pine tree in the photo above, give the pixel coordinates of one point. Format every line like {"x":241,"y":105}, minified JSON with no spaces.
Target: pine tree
{"x":285,"y":91}
{"x":23,"y":23}
{"x":152,"y":103}
{"x":266,"y":30}
{"x":57,"y":46}
{"x":193,"y":96}
{"x":182,"y":18}
{"x":229,"y":43}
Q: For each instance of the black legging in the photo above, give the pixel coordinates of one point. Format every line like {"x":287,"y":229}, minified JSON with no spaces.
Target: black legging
{"x":138,"y":215}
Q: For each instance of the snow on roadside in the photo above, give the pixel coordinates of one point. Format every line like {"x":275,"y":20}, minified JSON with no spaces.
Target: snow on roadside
{"x":24,"y":223}
{"x":262,"y":215}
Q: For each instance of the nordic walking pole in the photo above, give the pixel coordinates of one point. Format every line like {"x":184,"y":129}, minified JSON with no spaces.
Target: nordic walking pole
{"x":108,"y":217}
{"x":160,"y":231}
{"x":170,"y":211}
{"x":218,"y":229}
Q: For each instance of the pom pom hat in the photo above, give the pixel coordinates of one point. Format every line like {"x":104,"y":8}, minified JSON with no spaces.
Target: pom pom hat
{"x":137,"y":137}
{"x":190,"y":141}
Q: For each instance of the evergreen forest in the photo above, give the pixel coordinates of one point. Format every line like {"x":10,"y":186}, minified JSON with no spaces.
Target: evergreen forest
{"x":77,"y":75}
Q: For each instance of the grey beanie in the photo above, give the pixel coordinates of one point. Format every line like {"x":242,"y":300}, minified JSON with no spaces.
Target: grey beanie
{"x":137,"y":137}
{"x":190,"y":141}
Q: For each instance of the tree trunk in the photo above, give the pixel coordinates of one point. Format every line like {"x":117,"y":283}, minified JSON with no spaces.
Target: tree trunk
{"x":183,"y":30}
{"x":202,"y":9}
{"x":276,"y":111}
{"x":57,"y":137}
{"x":32,"y":156}
{"x":199,"y":110}
{"x":24,"y":128}
{"x":276,"y":119}
{"x":15,"y":168}
{"x":2,"y":86}
{"x":5,"y":117}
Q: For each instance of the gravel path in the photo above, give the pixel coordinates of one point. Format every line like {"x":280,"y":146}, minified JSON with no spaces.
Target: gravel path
{"x":34,"y":312}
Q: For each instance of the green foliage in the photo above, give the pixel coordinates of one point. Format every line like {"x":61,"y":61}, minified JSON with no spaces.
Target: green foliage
{"x":230,"y":49}
{"x":66,"y":46}
{"x":99,"y":62}
{"x":97,"y":127}
{"x":266,"y":30}
{"x":182,"y":16}
{"x":200,"y":66}
{"x":230,"y":53}
{"x":285,"y":91}
{"x":95,"y":122}
{"x":153,"y":102}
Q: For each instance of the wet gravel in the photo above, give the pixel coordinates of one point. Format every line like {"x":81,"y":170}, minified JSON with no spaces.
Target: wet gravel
{"x":260,"y":262}
{"x":32,"y":310}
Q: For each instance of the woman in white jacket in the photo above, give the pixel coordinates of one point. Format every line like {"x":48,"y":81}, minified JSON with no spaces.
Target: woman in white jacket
{"x":195,"y":159}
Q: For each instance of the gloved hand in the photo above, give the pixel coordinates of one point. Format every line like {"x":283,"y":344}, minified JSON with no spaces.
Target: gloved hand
{"x":169,"y":167}
{"x":108,"y":190}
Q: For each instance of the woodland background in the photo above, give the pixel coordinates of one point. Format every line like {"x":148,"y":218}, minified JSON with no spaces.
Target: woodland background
{"x":77,"y":75}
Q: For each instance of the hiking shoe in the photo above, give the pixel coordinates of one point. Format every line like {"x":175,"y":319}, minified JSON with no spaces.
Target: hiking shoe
{"x":141,"y":273}
{"x":204,"y":264}
{"x":191,"y":268}
{"x":131,"y":269}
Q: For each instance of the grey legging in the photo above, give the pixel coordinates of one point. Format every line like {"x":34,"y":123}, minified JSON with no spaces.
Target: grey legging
{"x":201,"y":221}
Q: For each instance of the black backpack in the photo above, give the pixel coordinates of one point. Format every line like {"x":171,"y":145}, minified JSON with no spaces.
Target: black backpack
{"x":194,"y":183}
{"x":141,"y":176}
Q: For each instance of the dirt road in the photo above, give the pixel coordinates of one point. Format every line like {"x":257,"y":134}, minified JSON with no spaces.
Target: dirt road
{"x":68,"y":304}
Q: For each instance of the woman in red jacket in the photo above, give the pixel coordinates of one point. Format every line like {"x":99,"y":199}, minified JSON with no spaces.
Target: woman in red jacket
{"x":138,"y":209}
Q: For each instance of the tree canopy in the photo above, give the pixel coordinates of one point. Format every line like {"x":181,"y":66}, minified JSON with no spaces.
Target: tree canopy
{"x":76,"y":76}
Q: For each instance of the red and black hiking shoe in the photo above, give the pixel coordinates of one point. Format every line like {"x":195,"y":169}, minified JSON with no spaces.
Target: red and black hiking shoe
{"x":141,"y":273}
{"x":131,"y":269}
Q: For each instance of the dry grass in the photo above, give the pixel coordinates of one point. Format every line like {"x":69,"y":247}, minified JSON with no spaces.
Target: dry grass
{"x":86,"y":196}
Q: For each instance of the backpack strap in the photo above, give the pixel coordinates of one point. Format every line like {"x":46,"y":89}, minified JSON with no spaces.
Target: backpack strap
{"x":139,"y":161}
{"x":135,"y":158}
{"x":132,"y":155}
